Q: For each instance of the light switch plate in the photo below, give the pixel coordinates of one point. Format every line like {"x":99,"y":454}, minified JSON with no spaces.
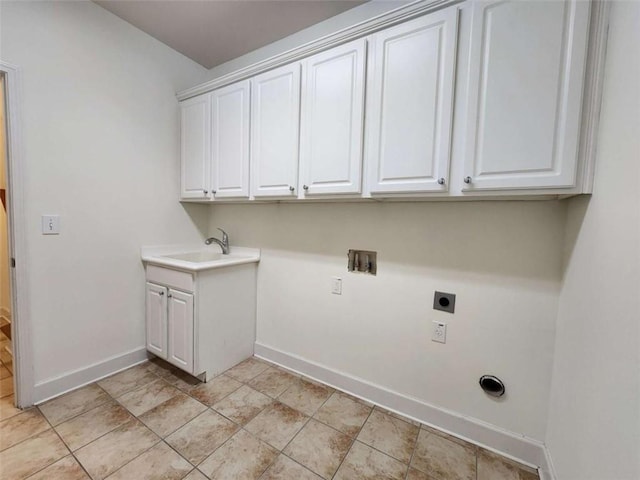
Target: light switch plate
{"x":336,"y":286}
{"x":50,"y":224}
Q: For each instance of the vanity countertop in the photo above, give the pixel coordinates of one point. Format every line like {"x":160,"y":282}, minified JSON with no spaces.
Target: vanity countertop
{"x":195,"y":258}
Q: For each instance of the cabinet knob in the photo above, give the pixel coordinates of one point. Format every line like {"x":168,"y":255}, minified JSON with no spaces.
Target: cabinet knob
{"x":305,"y":187}
{"x":291,"y":188}
{"x":467,"y":179}
{"x":441,"y":181}
{"x":206,"y":191}
{"x":161,"y":293}
{"x":214,"y":191}
{"x":169,"y":296}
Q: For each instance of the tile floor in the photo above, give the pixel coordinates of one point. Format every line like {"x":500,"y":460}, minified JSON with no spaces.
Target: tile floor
{"x":255,"y":421}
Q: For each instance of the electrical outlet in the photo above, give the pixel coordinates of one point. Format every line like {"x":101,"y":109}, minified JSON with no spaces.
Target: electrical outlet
{"x":439,"y":332}
{"x":336,"y":286}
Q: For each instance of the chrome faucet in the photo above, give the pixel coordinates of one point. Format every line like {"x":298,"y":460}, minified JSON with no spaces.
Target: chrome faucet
{"x":224,"y":243}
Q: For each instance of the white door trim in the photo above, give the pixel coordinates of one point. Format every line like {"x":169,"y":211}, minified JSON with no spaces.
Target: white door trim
{"x":21,"y":321}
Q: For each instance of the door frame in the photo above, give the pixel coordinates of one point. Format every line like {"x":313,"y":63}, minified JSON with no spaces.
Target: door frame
{"x":20,"y":313}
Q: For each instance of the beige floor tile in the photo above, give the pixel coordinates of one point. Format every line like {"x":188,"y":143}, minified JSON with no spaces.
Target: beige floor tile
{"x":242,"y":457}
{"x":147,"y":397}
{"x":390,"y":435}
{"x":215,"y":390}
{"x":73,"y":403}
{"x":365,"y":463}
{"x":247,"y":370}
{"x":66,"y":468}
{"x":180,"y":379}
{"x":127,"y":380}
{"x":4,"y":372}
{"x":20,"y":427}
{"x":305,"y":396}
{"x":6,"y":387}
{"x":397,"y":415}
{"x":273,"y":382}
{"x":242,"y":405}
{"x":319,"y":448}
{"x":195,"y":475}
{"x":343,"y":413}
{"x":199,"y":438}
{"x":443,"y":459}
{"x":7,"y":407}
{"x":108,"y":453}
{"x":286,"y":469}
{"x":414,"y":474}
{"x":494,"y":467}
{"x":170,"y":415}
{"x":160,"y":367}
{"x":457,"y":440}
{"x":85,"y":428}
{"x":158,"y":463}
{"x":277,"y":424}
{"x":32,"y":455}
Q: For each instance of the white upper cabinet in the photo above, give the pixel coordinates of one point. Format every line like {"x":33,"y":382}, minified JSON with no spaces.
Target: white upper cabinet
{"x":332,"y":121}
{"x":524,"y":94}
{"x":410,"y":104}
{"x":194,"y":155}
{"x":230,"y":141}
{"x":275,"y":132}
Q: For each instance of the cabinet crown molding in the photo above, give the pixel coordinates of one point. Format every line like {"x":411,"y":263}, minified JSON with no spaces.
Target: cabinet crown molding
{"x":400,"y":14}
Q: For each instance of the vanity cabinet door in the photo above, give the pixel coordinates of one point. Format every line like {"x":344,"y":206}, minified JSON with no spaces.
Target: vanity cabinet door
{"x":275,"y":132}
{"x":332,"y":121}
{"x":410,"y":104}
{"x":230,"y":141}
{"x":526,"y":75}
{"x":156,"y":321}
{"x":195,"y":131}
{"x":180,"y":329}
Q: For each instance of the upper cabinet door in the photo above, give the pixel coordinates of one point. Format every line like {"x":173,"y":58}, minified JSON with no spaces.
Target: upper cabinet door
{"x":230,"y":141}
{"x":275,"y":124}
{"x":332,"y":120}
{"x":410,"y":104}
{"x":195,"y":134}
{"x":526,"y":71}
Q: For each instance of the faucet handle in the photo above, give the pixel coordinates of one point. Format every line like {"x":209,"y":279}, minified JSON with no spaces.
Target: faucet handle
{"x":225,"y":237}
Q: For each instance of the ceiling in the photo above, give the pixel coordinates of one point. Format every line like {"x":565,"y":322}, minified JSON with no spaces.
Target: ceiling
{"x":215,"y":31}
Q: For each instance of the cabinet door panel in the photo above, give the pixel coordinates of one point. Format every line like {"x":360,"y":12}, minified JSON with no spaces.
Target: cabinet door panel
{"x":156,"y":321}
{"x":195,"y":144}
{"x":332,"y":120}
{"x":275,"y":121}
{"x":230,"y":141}
{"x":180,"y":329}
{"x":527,"y":62}
{"x":409,"y":121}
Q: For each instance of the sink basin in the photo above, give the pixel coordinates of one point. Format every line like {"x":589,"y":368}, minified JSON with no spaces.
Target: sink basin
{"x":197,"y":257}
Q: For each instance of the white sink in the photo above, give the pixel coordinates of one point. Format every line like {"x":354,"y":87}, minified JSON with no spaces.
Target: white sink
{"x":197,"y":257}
{"x":194,"y":258}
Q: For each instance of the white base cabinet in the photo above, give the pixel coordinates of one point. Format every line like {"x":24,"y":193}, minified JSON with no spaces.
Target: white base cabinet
{"x":201,"y":322}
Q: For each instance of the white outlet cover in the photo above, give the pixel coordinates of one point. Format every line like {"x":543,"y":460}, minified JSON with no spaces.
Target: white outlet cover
{"x":336,"y":286}
{"x":439,"y":332}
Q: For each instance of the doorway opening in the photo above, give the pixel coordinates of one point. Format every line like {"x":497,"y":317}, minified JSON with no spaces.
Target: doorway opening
{"x":6,"y":344}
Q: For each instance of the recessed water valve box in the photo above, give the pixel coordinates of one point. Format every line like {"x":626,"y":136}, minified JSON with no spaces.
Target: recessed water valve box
{"x":363,"y":261}
{"x":445,"y":302}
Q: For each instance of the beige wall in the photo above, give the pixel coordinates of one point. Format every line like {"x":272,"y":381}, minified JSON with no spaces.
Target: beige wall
{"x":594,"y":419}
{"x":100,"y":131}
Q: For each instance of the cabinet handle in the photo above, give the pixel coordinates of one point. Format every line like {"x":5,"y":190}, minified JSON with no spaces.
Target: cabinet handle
{"x":291,"y":188}
{"x":169,"y":296}
{"x":305,"y":187}
{"x":161,"y":293}
{"x":441,"y":181}
{"x":467,"y":179}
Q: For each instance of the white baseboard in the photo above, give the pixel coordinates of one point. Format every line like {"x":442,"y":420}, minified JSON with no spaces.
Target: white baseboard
{"x":548,"y":471}
{"x":77,"y":378}
{"x":517,"y":447}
